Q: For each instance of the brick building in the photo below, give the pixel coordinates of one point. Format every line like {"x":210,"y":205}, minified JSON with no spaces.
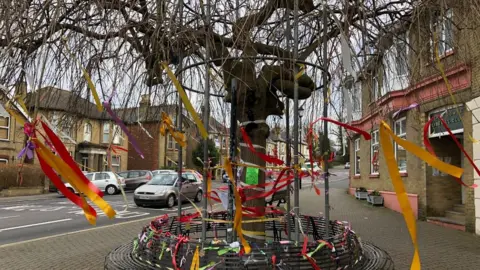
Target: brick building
{"x":159,"y":151}
{"x":401,"y":71}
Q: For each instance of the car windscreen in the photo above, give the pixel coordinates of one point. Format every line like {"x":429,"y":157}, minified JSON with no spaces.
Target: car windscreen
{"x":163,"y":180}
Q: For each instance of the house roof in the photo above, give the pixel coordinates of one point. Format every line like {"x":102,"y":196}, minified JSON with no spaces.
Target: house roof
{"x":16,"y":106}
{"x":52,"y":98}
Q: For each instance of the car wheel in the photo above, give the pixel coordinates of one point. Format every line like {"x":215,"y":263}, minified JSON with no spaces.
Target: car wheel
{"x":171,"y":201}
{"x":198,"y":197}
{"x":110,"y":190}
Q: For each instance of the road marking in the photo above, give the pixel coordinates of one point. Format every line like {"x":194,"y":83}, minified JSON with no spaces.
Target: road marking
{"x":35,"y":224}
{"x":75,"y":232}
{"x":8,"y":217}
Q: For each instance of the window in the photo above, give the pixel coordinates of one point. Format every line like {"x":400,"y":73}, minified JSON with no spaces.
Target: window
{"x":89,"y":176}
{"x":374,"y":153}
{"x":224,"y":142}
{"x":3,"y":161}
{"x":442,"y":26}
{"x":117,"y":135}
{"x":4,"y":128}
{"x":172,"y":144}
{"x":133,"y":174}
{"x":191,"y":178}
{"x":106,"y":133}
{"x":87,"y":132}
{"x":375,"y":89}
{"x":400,"y":152}
{"x":102,"y":176}
{"x":62,"y":124}
{"x":401,"y":61}
{"x":116,"y":163}
{"x":357,"y":157}
{"x":356,"y":100}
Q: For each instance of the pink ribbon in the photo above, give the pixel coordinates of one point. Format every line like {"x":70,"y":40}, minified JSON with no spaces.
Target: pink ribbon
{"x":413,"y":105}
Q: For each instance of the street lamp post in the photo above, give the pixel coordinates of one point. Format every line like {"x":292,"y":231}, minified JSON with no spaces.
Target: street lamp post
{"x":300,"y":115}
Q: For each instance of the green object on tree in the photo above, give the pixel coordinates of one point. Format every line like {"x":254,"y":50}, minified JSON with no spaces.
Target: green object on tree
{"x":252,"y":176}
{"x":213,"y":153}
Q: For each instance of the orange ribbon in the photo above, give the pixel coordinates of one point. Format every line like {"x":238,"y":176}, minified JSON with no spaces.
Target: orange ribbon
{"x":237,"y":223}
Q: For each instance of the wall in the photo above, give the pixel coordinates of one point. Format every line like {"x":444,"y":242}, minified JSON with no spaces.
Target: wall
{"x":474,"y":194}
{"x":9,"y":149}
{"x":147,"y":145}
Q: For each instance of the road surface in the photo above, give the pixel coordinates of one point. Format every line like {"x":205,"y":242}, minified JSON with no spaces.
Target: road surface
{"x":23,"y":219}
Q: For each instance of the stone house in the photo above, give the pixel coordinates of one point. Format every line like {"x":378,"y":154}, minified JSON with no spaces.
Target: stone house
{"x":12,"y":138}
{"x":84,"y":130}
{"x":402,"y":70}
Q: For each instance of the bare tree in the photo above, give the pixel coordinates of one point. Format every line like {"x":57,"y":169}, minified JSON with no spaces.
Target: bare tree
{"x":122,"y":43}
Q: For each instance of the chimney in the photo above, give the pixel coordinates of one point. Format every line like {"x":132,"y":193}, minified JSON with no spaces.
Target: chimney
{"x":144,"y":104}
{"x":21,"y":88}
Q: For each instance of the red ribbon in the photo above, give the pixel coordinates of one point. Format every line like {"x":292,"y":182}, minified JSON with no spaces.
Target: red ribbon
{"x":304,"y":253}
{"x":65,"y":155}
{"x":62,"y":188}
{"x":309,"y":135}
{"x":181,"y":240}
{"x":188,"y":218}
{"x":429,"y":147}
{"x":266,"y":158}
{"x":114,"y":147}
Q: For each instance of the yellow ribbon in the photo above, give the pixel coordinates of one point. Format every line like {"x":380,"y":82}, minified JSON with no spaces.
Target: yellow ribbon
{"x":87,"y":78}
{"x":196,"y":260}
{"x":20,"y":100}
{"x":167,"y":124}
{"x":63,"y":169}
{"x":301,"y":71}
{"x":186,"y":101}
{"x":440,"y":67}
{"x":17,"y":117}
{"x":237,"y":224}
{"x":386,"y":135}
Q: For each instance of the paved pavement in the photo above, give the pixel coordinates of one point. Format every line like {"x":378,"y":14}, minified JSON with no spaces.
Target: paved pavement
{"x":440,"y":248}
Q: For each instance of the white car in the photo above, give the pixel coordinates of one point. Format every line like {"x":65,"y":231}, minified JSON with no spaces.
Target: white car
{"x":308,"y":167}
{"x":105,"y":181}
{"x":157,"y":172}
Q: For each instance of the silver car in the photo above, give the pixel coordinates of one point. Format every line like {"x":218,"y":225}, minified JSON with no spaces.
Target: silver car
{"x":108,"y":182}
{"x":164,"y":189}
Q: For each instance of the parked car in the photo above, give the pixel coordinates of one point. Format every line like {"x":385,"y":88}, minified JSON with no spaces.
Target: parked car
{"x":136,"y":178}
{"x":347,"y":165}
{"x":105,"y":181}
{"x":162,"y":171}
{"x":196,"y":173}
{"x":164,"y":189}
{"x":308,"y":167}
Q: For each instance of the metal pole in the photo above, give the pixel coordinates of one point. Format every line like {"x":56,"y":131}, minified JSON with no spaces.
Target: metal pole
{"x":179,"y":127}
{"x":206,"y":120}
{"x":325,"y":123}
{"x":233,"y":147}
{"x":287,"y":120}
{"x":295,"y":123}
{"x":300,"y":146}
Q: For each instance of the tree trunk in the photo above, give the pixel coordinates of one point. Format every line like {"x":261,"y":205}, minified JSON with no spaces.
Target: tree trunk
{"x":251,"y":106}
